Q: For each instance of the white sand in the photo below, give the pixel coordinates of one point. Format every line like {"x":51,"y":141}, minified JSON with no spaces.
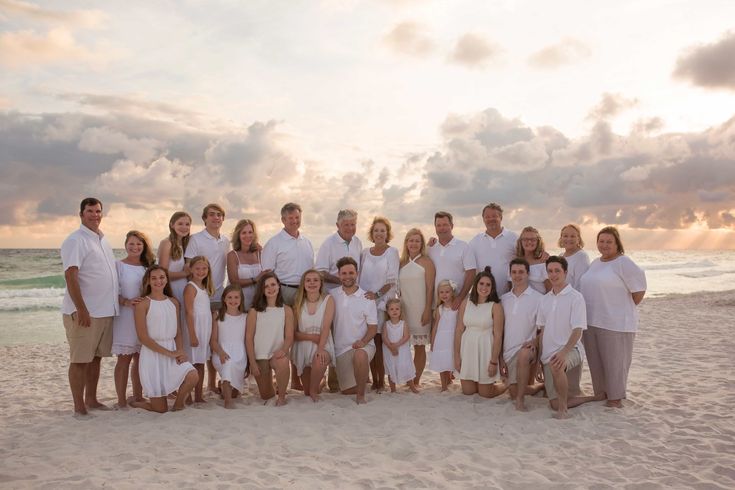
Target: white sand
{"x":677,"y":429}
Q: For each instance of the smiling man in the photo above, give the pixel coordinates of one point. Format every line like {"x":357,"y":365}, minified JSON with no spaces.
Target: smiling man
{"x":495,"y":247}
{"x":343,"y":243}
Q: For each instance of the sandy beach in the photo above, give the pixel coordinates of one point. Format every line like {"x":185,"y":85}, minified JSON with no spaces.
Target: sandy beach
{"x":677,"y":429}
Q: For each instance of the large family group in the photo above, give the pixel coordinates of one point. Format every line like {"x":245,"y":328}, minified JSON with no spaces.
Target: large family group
{"x":498,"y":312}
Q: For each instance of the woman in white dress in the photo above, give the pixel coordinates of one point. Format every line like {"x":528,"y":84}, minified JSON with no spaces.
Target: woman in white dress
{"x":269,"y":336}
{"x":416,"y":290}
{"x":228,"y":344}
{"x":171,"y":252}
{"x":125,"y":344}
{"x":530,"y":246}
{"x":612,"y":287}
{"x":313,"y":348}
{"x":163,"y":365}
{"x":379,"y":267}
{"x":243,"y":261}
{"x":479,"y":338}
{"x":570,"y":239}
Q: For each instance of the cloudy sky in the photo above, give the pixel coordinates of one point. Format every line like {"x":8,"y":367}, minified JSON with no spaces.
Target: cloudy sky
{"x":598,"y":113}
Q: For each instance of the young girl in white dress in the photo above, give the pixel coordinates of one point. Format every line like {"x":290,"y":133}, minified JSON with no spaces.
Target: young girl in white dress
{"x":442,"y":333}
{"x":198,"y":329}
{"x":243,"y":261}
{"x":125,"y":344}
{"x":171,"y":253}
{"x":163,"y":365}
{"x":396,"y":349}
{"x":313,"y":348}
{"x":228,"y":344}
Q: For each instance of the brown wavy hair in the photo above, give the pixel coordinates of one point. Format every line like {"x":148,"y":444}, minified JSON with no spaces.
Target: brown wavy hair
{"x":177,"y":249}
{"x":147,"y":257}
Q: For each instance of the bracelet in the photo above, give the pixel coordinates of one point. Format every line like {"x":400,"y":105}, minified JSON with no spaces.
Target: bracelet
{"x":493,"y":363}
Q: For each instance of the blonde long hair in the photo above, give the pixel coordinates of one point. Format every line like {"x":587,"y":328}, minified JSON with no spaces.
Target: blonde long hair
{"x":404,"y":252}
{"x":301,"y":293}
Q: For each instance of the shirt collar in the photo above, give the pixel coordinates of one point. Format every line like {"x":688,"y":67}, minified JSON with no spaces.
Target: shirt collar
{"x":210,"y":236}
{"x":567,"y":289}
{"x":290,"y":237}
{"x":89,"y":232}
{"x":487,"y":235}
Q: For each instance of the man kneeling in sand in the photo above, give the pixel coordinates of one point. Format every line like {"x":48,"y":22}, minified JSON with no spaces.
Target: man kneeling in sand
{"x":562,"y":316}
{"x":355,"y":325}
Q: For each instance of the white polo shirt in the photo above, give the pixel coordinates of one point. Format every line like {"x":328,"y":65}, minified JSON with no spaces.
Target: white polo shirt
{"x":92,"y":255}
{"x":333,"y":249}
{"x":288,"y":257}
{"x":452,"y":261}
{"x":215,"y":250}
{"x":520,"y":319}
{"x":559,"y":314}
{"x":497,"y":253}
{"x":352,"y":315}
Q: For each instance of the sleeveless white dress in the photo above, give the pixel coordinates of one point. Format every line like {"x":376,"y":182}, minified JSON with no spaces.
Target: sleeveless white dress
{"x":303,"y":351}
{"x":412,"y":286}
{"x":442,"y":357}
{"x":400,"y":368}
{"x":269,"y":331}
{"x":178,"y":285}
{"x":477,"y":343}
{"x":536,"y":277}
{"x":202,"y":327}
{"x":124,"y":338}
{"x":160,"y":374}
{"x":248,"y":271}
{"x":231,"y":336}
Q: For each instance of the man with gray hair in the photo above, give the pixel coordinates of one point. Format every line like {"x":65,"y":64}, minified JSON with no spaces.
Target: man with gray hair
{"x":343,"y":243}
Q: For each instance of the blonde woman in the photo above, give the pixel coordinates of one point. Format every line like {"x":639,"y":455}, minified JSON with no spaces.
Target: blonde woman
{"x":570,"y":239}
{"x":243,"y":261}
{"x":530,"y":246}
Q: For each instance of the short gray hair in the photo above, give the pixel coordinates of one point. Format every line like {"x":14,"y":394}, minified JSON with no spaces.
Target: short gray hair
{"x":346,"y":214}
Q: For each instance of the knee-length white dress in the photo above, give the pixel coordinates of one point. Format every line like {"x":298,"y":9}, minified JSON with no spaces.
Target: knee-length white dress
{"x":231,"y":337}
{"x":412,"y":284}
{"x":442,"y":354}
{"x":124,"y":338}
{"x":160,"y":374}
{"x":477,"y":343}
{"x":399,"y":368}
{"x":202,"y":327}
{"x":303,"y":351}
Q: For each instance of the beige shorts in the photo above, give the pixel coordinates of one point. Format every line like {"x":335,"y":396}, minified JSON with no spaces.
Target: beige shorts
{"x":345,"y":369}
{"x":512,"y":365}
{"x":574,"y":359}
{"x":86,"y":343}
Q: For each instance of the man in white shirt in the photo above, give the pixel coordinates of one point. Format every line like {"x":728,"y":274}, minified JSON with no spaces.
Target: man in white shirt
{"x":343,"y":243}
{"x":494,"y":247}
{"x":452,"y":257}
{"x":355,"y":325}
{"x":90,"y":302}
{"x":288,"y":253}
{"x":562,"y":316}
{"x":520,"y":344}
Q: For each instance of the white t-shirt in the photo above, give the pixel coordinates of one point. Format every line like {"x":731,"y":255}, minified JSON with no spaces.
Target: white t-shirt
{"x":559,"y":314}
{"x":452,"y":261}
{"x":497,"y":253}
{"x":607,"y":288}
{"x":215,"y":250}
{"x":289,"y":257}
{"x":333,"y":249}
{"x":378,"y":270}
{"x":577,"y":265}
{"x":520,"y":319}
{"x":537,"y":276}
{"x":352,"y":315}
{"x":92,"y":255}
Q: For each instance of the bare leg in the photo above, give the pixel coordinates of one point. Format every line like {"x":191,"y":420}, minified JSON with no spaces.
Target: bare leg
{"x":562,"y":389}
{"x":135,"y":378}
{"x":317,"y":374}
{"x":419,"y":362}
{"x":305,"y":380}
{"x":469,"y":387}
{"x":77,"y":377}
{"x":377,"y":368}
{"x":199,"y":388}
{"x":190,"y":381}
{"x":295,"y":380}
{"x":155,"y":404}
{"x":332,"y":381}
{"x":265,"y":383}
{"x":211,"y":377}
{"x":90,"y":385}
{"x":491,"y":390}
{"x":121,"y":379}
{"x":444,"y":376}
{"x":227,"y":394}
{"x":523,"y":372}
{"x":412,"y":386}
{"x":392,"y":385}
{"x":281,"y":367}
{"x":360,"y":364}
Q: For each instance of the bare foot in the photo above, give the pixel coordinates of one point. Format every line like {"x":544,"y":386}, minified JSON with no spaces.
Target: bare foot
{"x":121,"y":406}
{"x":229,"y":404}
{"x":315,"y":397}
{"x":413,"y":388}
{"x":82,"y":415}
{"x":199,"y":400}
{"x":177,"y":408}
{"x":173,"y":395}
{"x":360,"y":399}
{"x":614,"y":403}
{"x":95,"y":405}
{"x":520,"y":406}
{"x":559,"y":415}
{"x":80,"y":411}
{"x":281,"y":401}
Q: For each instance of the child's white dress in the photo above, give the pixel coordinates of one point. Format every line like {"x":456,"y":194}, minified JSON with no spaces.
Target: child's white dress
{"x":400,"y":368}
{"x":124,"y":337}
{"x":202,"y":328}
{"x":231,"y":337}
{"x":442,"y":354}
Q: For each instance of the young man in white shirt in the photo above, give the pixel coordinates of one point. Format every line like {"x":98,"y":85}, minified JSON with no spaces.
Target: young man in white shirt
{"x":452,"y":257}
{"x":355,"y":325}
{"x":494,"y":247}
{"x":562,"y":316}
{"x":343,"y":243}
{"x":520,"y":344}
{"x":89,"y":305}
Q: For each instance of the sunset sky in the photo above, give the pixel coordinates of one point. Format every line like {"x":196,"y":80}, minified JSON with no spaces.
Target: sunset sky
{"x":591,"y":112}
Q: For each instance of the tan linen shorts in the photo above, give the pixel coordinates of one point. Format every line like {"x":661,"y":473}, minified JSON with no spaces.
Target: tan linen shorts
{"x":574,"y":359}
{"x":86,"y":343}
{"x":512,"y":365}
{"x":345,"y":369}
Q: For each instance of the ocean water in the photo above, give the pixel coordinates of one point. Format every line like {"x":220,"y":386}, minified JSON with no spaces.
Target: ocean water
{"x":32,"y":286}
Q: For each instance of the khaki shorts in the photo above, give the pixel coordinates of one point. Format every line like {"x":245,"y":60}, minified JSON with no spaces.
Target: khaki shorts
{"x":513,"y":368}
{"x":86,"y":343}
{"x":574,"y":359}
{"x":345,"y":369}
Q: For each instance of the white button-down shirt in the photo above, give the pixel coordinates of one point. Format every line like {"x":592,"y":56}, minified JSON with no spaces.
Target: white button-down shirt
{"x":215,"y":250}
{"x":333,"y":249}
{"x":289,"y":257}
{"x":559,"y":314}
{"x":452,"y":261}
{"x":497,"y":253}
{"x":352,"y":315}
{"x":92,"y":255}
{"x":520,"y":319}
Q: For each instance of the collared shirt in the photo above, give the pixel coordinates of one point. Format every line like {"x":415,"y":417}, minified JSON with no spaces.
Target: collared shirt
{"x":352,"y":315}
{"x":215,"y":250}
{"x":520,"y":319}
{"x":559,"y":314}
{"x":92,"y":255}
{"x":333,"y":249}
{"x":497,"y":253}
{"x":452,"y":261}
{"x":289,"y":257}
